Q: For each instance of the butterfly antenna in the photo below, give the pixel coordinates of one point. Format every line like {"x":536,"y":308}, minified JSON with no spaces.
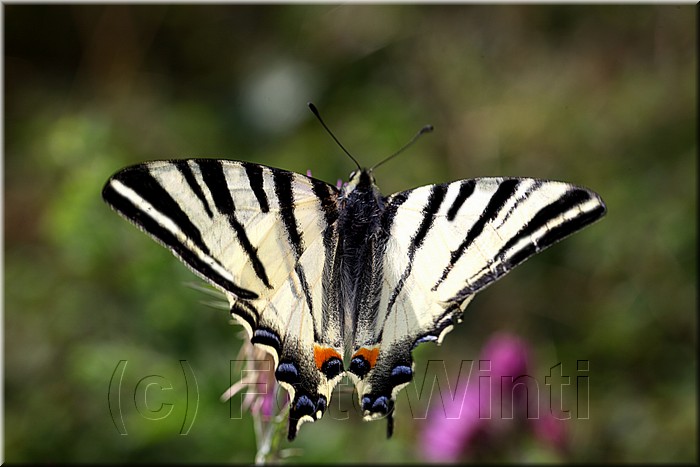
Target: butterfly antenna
{"x":425,"y":129}
{"x":318,"y":116}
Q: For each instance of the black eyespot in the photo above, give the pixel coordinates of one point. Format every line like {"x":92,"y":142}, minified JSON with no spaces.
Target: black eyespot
{"x":360,"y":366}
{"x":332,"y":367}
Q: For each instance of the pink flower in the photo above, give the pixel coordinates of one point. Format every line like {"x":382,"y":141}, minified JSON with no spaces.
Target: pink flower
{"x":448,"y":431}
{"x":259,"y":387}
{"x":259,"y":383}
{"x":488,"y":405}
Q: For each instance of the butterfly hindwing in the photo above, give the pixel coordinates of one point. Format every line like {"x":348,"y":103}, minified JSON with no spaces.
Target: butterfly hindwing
{"x":444,"y":243}
{"x":265,"y":238}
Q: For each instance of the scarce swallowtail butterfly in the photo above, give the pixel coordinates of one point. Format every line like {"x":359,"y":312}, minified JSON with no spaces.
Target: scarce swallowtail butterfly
{"x":344,"y":281}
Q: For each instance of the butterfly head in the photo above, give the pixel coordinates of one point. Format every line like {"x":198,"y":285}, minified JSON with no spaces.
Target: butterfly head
{"x":361,"y":180}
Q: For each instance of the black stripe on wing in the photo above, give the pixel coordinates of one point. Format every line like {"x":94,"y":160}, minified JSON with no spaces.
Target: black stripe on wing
{"x":576,"y":197}
{"x":548,"y":213}
{"x":530,"y":186}
{"x":215,"y":179}
{"x":328,"y":198}
{"x":498,"y":200}
{"x":437,"y":195}
{"x":184,"y":168}
{"x":466,"y":188}
{"x":246,"y":312}
{"x":507,"y":260}
{"x":255,"y":180}
{"x":503,"y":193}
{"x":393,"y":203}
{"x":147,"y":187}
{"x":285,"y":196}
{"x":139,"y":179}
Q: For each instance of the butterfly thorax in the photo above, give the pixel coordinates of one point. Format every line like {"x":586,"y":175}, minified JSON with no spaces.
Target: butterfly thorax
{"x":360,"y":239}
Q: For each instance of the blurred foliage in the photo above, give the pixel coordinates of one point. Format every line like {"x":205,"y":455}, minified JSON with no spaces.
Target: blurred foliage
{"x":601,"y":96}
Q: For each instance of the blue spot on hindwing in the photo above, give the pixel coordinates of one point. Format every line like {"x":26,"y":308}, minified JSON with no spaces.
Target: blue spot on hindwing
{"x":400,"y":374}
{"x":304,"y":406}
{"x":287,"y":372}
{"x":381,"y":405}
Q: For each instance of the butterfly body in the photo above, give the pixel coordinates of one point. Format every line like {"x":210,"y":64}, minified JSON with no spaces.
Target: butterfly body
{"x":333,"y":282}
{"x":361,"y":244}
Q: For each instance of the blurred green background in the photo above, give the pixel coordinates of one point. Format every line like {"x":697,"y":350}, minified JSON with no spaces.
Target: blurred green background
{"x":601,"y":96}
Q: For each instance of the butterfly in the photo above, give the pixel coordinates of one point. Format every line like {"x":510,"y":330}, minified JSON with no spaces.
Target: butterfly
{"x":344,"y":281}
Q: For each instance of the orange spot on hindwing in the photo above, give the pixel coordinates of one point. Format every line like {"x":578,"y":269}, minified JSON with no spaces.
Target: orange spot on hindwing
{"x":323,"y":354}
{"x":368,"y":354}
